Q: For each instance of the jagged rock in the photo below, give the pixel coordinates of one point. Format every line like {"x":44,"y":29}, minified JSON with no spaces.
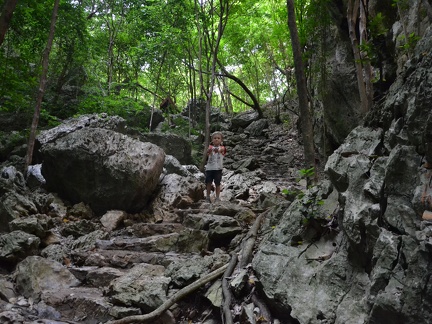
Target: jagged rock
{"x":195,"y":171}
{"x":14,"y":205}
{"x":17,"y":245}
{"x":34,"y":176}
{"x":221,"y":229}
{"x":172,"y":165}
{"x":68,"y":126}
{"x":78,"y":228}
{"x":124,"y":170}
{"x":186,"y":272}
{"x":102,"y":277}
{"x":7,"y":289}
{"x":56,"y":252}
{"x":238,"y":283}
{"x":36,"y":224}
{"x":57,"y":208}
{"x":11,"y":316}
{"x":81,"y":211}
{"x":249,"y":163}
{"x":82,"y":304}
{"x":244,"y":119}
{"x":257,"y":127}
{"x":112,"y":219}
{"x":36,"y":275}
{"x":178,"y":192}
{"x":149,"y":229}
{"x":188,"y":241}
{"x":120,"y":312}
{"x":144,"y":286}
{"x":214,"y":294}
{"x":89,"y":240}
{"x":172,"y":144}
{"x":237,"y":182}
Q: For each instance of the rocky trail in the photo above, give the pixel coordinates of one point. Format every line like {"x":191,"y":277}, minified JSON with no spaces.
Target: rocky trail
{"x":121,"y":265}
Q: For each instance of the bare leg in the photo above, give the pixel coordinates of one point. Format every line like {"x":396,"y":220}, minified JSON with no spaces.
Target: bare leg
{"x":209,"y":185}
{"x":218,"y":191}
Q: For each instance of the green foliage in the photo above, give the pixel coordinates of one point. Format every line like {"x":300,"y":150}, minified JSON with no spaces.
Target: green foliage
{"x":307,"y":173}
{"x":310,"y":205}
{"x":20,"y":55}
{"x":117,"y":55}
{"x":409,"y":43}
{"x":377,"y":26}
{"x":112,"y":105}
{"x":401,"y":4}
{"x":47,"y":119}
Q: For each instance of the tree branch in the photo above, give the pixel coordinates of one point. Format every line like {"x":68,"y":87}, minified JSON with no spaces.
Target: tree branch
{"x":150,"y":317}
{"x":226,"y":292}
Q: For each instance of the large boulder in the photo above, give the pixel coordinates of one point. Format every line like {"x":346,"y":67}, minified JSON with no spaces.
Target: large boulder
{"x":71,"y":125}
{"x":102,"y":168}
{"x":172,"y":144}
{"x":244,"y":119}
{"x":35,"y":275}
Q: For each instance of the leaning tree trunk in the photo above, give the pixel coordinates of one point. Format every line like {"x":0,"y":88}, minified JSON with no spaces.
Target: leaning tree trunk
{"x":42,"y":84}
{"x":362,"y":63}
{"x":305,"y":114}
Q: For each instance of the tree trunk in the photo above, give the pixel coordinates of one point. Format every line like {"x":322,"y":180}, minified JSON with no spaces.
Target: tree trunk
{"x":367,"y":67}
{"x":6,"y":17}
{"x":255,"y":106}
{"x":42,"y":84}
{"x":361,"y":61}
{"x":305,"y":115}
{"x":223,"y":17}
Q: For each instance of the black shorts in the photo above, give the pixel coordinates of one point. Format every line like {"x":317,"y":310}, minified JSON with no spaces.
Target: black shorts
{"x":213,"y":175}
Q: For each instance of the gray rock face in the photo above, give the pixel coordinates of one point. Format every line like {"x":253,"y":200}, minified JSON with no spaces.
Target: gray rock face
{"x":172,"y":144}
{"x":35,"y":275}
{"x":243,"y":120}
{"x":382,"y":242}
{"x":256,"y":128}
{"x":144,"y":286}
{"x":103,"y":168}
{"x":17,"y":245}
{"x":370,"y":268}
{"x":114,"y":123}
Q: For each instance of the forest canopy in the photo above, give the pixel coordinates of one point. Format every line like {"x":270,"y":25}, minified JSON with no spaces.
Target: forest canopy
{"x":124,"y":56}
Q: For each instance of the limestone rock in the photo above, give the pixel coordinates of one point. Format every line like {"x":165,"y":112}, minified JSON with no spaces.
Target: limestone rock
{"x":124,"y":171}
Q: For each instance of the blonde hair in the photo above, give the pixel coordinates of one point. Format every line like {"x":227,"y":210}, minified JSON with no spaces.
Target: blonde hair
{"x":217,"y":133}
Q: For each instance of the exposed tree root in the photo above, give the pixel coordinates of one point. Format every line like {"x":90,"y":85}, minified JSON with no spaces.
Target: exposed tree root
{"x":247,"y":249}
{"x":226,"y":292}
{"x":150,"y":317}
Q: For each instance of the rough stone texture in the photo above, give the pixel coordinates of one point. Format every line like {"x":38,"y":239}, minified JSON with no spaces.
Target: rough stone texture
{"x":172,"y":144}
{"x":244,"y":119}
{"x":257,"y":128}
{"x":103,"y":168}
{"x":383,"y":193}
{"x":35,"y":275}
{"x":16,"y":246}
{"x":380,"y":249}
{"x":114,"y":123}
{"x":178,"y":192}
{"x":144,"y":286}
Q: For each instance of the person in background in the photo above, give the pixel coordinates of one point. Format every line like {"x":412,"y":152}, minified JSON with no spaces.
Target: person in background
{"x":213,"y":170}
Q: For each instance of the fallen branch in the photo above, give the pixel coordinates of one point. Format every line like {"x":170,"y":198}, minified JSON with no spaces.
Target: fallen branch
{"x":226,"y":292}
{"x":150,"y":317}
{"x":247,"y":250}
